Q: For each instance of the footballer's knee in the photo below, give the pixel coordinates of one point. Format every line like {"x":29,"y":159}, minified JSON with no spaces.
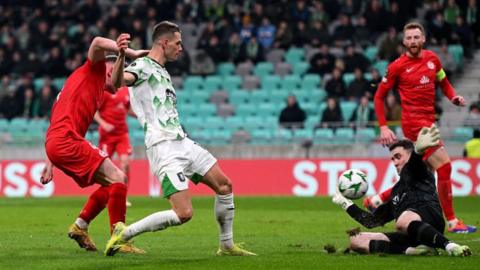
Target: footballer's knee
{"x":224,"y":187}
{"x":359,"y":244}
{"x":119,"y":177}
{"x":184,"y":214}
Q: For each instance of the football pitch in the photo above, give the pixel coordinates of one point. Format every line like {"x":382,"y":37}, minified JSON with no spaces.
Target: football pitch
{"x":286,"y":232}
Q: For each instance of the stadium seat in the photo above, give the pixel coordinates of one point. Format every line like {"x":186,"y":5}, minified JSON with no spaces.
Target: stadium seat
{"x":250,"y":82}
{"x":348,"y":78}
{"x":347,"y":108}
{"x":246,"y":109}
{"x":312,"y":121}
{"x":278,"y":97}
{"x":301,"y":68}
{"x":220,"y":137}
{"x":137,"y":137}
{"x":300,"y":135}
{"x":38,"y":84}
{"x":253,"y":122}
{"x":232,"y":83}
{"x":206,"y":109}
{"x":283,"y":69}
{"x":462,"y":134}
{"x":213,"y":122}
{"x":18,"y":125}
{"x":282,"y":136}
{"x":275,"y":56}
{"x":212,"y":83}
{"x":203,"y":136}
{"x":258,"y":97}
{"x":199,"y":96}
{"x":133,"y":123}
{"x":261,"y":136}
{"x":225,"y":69}
{"x":381,"y":66}
{"x":192,"y":83}
{"x":457,"y":53}
{"x":371,"y":53}
{"x":311,"y":82}
{"x":233,"y":122}
{"x":365,"y":135}
{"x":271,"y":82}
{"x":59,"y":82}
{"x":192,"y":123}
{"x":244,"y":69}
{"x":291,"y":82}
{"x":3,"y":125}
{"x":323,"y":136}
{"x":263,"y":69}
{"x":268,"y":109}
{"x":344,"y":136}
{"x":294,"y":55}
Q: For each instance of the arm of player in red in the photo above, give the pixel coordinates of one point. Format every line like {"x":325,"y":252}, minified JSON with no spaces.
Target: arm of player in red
{"x":448,"y":89}
{"x":119,"y":77}
{"x":100,"y":45}
{"x":386,"y":135}
{"x":47,"y":172}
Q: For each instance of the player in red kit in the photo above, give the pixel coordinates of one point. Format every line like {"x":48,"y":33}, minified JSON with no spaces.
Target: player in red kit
{"x":69,"y":151}
{"x":113,"y":129}
{"x":415,"y":74}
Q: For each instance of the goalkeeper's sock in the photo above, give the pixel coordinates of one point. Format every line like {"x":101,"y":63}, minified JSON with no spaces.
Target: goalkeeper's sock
{"x":425,"y":234}
{"x":224,"y":213}
{"x":444,"y":187}
{"x":94,"y":205}
{"x":154,"y":222}
{"x":387,"y":247}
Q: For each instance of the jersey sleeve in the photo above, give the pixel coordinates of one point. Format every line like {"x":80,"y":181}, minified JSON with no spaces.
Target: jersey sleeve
{"x":388,"y":82}
{"x":137,"y":68}
{"x":441,"y":78}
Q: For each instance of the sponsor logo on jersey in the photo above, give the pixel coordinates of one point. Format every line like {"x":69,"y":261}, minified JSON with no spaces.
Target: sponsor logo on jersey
{"x":384,"y":80}
{"x":171,"y":94}
{"x":430,"y":65}
{"x":424,"y":80}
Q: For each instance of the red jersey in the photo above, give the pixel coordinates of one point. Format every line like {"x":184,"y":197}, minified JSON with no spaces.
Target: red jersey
{"x":415,"y":80}
{"x":114,"y":110}
{"x":80,"y":98}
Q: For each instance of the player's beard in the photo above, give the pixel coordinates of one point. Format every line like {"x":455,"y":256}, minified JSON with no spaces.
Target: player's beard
{"x":415,"y":51}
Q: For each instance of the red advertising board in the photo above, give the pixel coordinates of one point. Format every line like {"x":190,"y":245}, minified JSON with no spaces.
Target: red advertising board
{"x":261,"y":177}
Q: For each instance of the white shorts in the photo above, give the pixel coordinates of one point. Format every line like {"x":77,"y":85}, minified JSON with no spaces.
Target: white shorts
{"x":172,"y":162}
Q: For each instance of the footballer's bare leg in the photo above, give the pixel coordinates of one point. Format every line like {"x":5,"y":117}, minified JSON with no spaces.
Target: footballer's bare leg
{"x":125,"y":167}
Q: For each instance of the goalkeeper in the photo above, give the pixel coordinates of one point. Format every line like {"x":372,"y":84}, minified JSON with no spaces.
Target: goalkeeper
{"x":414,"y":207}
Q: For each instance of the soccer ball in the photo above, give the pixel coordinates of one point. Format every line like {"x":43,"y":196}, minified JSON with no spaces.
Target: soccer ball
{"x":353,"y":184}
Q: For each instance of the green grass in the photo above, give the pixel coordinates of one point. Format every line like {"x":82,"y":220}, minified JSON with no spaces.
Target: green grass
{"x":286,"y":232}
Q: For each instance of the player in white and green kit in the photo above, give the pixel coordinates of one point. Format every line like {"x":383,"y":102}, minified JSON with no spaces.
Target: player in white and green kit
{"x":173,"y":157}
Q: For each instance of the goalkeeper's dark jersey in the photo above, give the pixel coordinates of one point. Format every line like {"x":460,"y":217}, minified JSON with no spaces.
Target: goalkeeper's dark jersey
{"x":415,"y":188}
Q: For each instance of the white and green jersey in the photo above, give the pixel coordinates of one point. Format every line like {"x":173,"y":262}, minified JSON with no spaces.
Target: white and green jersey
{"x":153,"y":99}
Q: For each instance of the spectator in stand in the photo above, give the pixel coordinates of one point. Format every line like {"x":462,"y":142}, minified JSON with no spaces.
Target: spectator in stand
{"x":362,"y":35}
{"x":364,"y":115}
{"x":440,"y":30}
{"x":247,"y":31}
{"x":376,"y":18}
{"x":322,"y":62}
{"x":451,"y":12}
{"x":335,"y":87}
{"x":44,"y":103}
{"x":373,"y":83}
{"x":206,"y":35}
{"x":252,"y":51}
{"x":318,"y":34}
{"x":472,"y":147}
{"x":447,"y":60}
{"x":331,"y":116}
{"x":234,"y":48}
{"x":215,"y":50}
{"x":472,"y":17}
{"x":8,"y":105}
{"x":388,"y":45}
{"x":395,"y":18}
{"x":318,"y":13}
{"x":343,"y":33}
{"x":393,"y":110}
{"x":473,"y":117}
{"x":283,"y":37}
{"x":358,"y":88}
{"x":28,"y":108}
{"x":300,"y":12}
{"x":266,"y":33}
{"x":292,"y":116}
{"x":301,"y":35}
{"x":463,"y":35}
{"x":354,"y":60}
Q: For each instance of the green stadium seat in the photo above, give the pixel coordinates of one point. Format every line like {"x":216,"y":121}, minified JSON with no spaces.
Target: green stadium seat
{"x":225,"y":69}
{"x":263,"y":69}
{"x":312,"y":121}
{"x":258,"y":97}
{"x":365,"y":135}
{"x":301,"y":68}
{"x":323,"y":136}
{"x":381,"y":66}
{"x":203,"y":136}
{"x":282,"y":136}
{"x":214,"y":122}
{"x":232,"y":83}
{"x":206,"y":109}
{"x":261,"y":136}
{"x":462,"y":134}
{"x":268,"y":109}
{"x":192,"y":123}
{"x":133,"y":123}
{"x":220,"y":137}
{"x":233,"y":123}
{"x":38,"y":125}
{"x":246,"y":109}
{"x":18,"y":125}
{"x":300,"y":135}
{"x":59,"y":82}
{"x":271,"y":82}
{"x":3,"y":125}
{"x":291,"y":82}
{"x":137,"y":138}
{"x":199,"y":96}
{"x":295,"y":55}
{"x":310,"y":108}
{"x":37,"y":84}
{"x":347,"y":108}
{"x":348,"y":78}
{"x":253,"y":122}
{"x":239,"y":97}
{"x":311,"y":81}
{"x":371,"y":53}
{"x":318,"y":95}
{"x":212,"y":83}
{"x":193,"y":83}
{"x":344,"y":136}
{"x":457,"y":53}
{"x":279,"y":98}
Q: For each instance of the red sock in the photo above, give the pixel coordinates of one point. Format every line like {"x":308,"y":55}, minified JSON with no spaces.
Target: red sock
{"x":444,"y":187}
{"x":116,"y":203}
{"x":95,"y":204}
{"x":386,"y":195}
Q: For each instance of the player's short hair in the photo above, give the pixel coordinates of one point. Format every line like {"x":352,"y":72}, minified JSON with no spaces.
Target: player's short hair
{"x":406,"y":144}
{"x":414,"y":25}
{"x":164,"y":27}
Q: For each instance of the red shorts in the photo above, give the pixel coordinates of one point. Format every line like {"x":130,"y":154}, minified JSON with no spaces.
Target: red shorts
{"x":112,"y":144}
{"x":76,"y":157}
{"x":411,"y":132}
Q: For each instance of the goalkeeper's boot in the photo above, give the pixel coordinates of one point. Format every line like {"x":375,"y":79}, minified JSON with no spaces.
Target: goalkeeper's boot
{"x":461,"y":227}
{"x":458,"y":251}
{"x":130,"y":248}
{"x":236,"y":250}
{"x":116,"y":241}
{"x":82,"y":237}
{"x":421,"y":250}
